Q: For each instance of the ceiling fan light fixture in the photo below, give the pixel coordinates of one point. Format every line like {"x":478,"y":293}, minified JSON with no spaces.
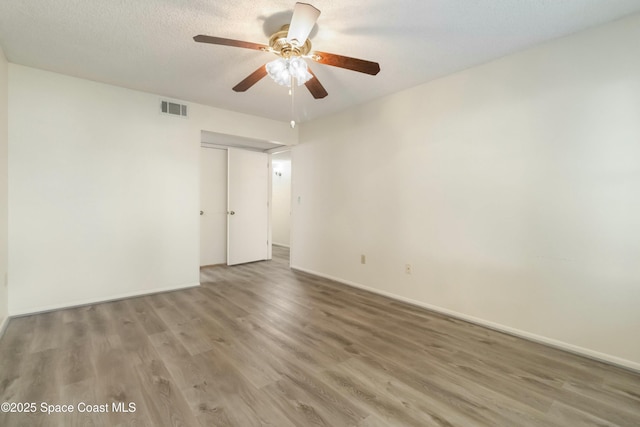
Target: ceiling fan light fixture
{"x":282,"y":70}
{"x":291,"y":44}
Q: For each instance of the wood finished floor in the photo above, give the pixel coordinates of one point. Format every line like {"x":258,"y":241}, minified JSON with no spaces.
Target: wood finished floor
{"x":259,"y":344}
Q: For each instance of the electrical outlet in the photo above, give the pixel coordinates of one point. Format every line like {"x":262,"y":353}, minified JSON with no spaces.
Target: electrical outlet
{"x":408,"y":269}
{"x":363,"y":259}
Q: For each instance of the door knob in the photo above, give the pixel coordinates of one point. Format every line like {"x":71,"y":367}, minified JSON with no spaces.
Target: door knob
{"x":201,"y":212}
{"x":232,"y":213}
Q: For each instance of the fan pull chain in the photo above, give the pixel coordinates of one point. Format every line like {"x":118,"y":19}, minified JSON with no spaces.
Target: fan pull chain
{"x":291,"y":92}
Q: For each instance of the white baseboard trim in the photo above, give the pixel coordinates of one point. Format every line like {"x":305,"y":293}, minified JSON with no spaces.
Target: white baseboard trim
{"x":280,"y":244}
{"x":44,"y":309}
{"x":581,"y":351}
{"x":3,"y":325}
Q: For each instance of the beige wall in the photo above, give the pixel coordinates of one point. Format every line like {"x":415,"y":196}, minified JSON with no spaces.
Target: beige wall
{"x":511,"y":188}
{"x":4,"y":198}
{"x":104,"y":190}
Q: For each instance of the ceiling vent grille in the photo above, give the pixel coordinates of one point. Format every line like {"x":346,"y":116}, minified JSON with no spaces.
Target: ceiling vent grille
{"x":172,"y":108}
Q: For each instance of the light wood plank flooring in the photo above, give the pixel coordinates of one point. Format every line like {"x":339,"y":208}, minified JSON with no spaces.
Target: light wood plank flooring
{"x":260,"y":344}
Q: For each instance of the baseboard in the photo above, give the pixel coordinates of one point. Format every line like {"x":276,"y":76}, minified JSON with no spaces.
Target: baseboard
{"x":212,"y":265}
{"x":3,"y":325}
{"x":53,"y":307}
{"x":581,"y":351}
{"x":280,"y":244}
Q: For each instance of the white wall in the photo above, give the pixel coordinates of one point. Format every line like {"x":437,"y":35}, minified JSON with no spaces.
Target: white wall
{"x":281,"y":198}
{"x":4,"y":198}
{"x":104,"y":190}
{"x":512,"y":188}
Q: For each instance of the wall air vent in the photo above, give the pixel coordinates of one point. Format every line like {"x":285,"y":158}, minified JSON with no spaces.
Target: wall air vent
{"x":168,"y":107}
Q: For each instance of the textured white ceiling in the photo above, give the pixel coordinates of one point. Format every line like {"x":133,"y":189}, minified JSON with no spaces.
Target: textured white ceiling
{"x":147,"y":44}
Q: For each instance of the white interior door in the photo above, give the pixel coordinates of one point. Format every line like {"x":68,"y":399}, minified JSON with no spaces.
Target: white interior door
{"x":213,"y":206}
{"x":248,"y":210}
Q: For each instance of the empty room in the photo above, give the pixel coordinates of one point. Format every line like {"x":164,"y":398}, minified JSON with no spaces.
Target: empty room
{"x":368,"y":214}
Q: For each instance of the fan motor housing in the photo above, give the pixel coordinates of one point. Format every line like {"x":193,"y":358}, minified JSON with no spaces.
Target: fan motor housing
{"x":281,"y":46}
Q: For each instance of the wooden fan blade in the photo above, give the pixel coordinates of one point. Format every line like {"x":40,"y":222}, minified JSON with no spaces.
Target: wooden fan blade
{"x":353,"y":64}
{"x":251,"y":79}
{"x":230,"y":42}
{"x":315,"y":87}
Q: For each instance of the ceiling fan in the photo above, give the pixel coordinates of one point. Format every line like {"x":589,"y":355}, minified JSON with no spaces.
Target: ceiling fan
{"x":291,"y":44}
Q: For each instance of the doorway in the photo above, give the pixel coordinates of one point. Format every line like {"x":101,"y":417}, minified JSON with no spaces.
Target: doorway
{"x":281,"y":204}
{"x":234,"y":213}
